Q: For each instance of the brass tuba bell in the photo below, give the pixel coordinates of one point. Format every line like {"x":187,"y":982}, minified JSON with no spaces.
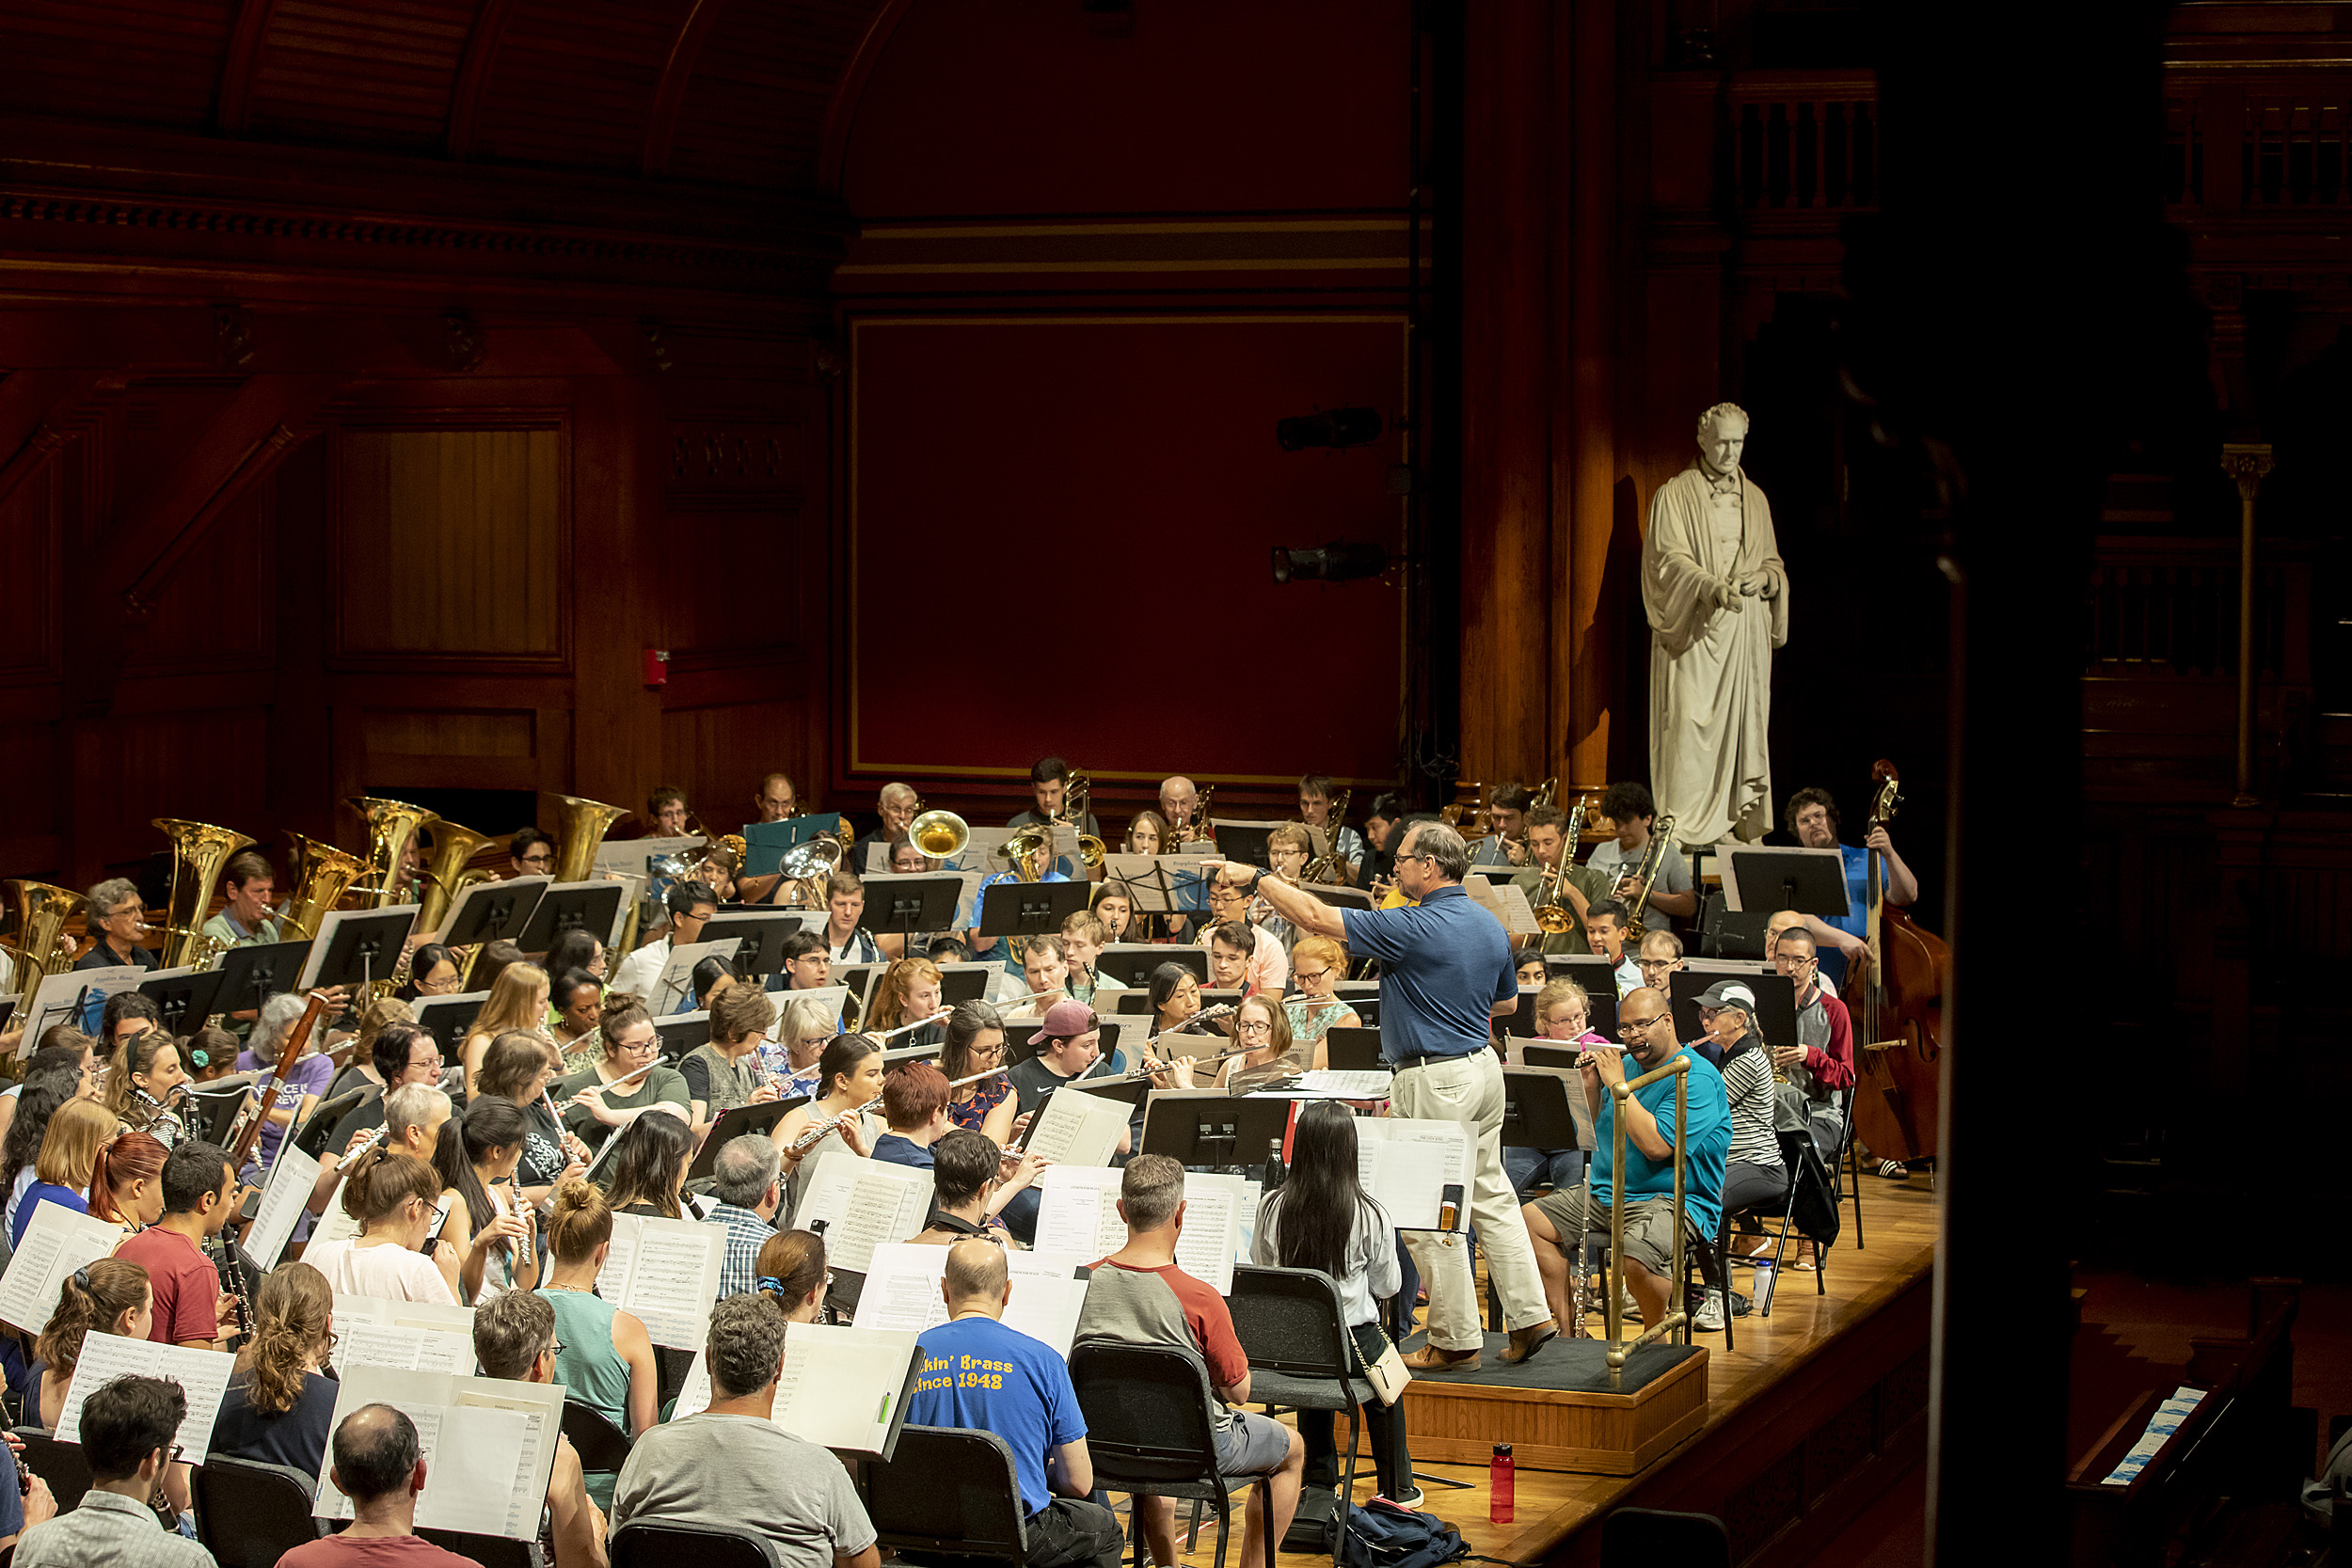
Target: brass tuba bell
{"x":447,"y":876}
{"x":322,"y":874}
{"x":582,"y":825}
{"x":198,"y":850}
{"x":940,"y":834}
{"x":41,"y":948}
{"x":391,"y":824}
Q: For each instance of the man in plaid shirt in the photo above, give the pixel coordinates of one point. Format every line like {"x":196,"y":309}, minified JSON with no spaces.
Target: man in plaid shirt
{"x":744,"y":1181}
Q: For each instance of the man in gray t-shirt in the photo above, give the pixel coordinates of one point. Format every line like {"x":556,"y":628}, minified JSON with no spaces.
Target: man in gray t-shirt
{"x":731,"y":1466}
{"x":1629,"y":807}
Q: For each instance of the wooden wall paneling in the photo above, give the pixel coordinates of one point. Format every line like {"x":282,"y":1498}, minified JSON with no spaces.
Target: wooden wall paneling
{"x":618,"y":537}
{"x":303,"y":775}
{"x":33,"y":787}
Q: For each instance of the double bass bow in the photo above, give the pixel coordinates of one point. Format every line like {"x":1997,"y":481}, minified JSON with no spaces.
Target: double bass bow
{"x":1898,"y":1012}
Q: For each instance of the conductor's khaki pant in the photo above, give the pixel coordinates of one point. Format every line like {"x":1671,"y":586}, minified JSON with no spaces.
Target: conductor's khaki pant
{"x":1469,"y":1090}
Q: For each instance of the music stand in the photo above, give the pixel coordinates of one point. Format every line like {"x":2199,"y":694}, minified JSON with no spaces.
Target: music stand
{"x":184,"y":996}
{"x":681,"y":1033}
{"x":1589,"y":969}
{"x":911,"y":903}
{"x":1354,"y":1050}
{"x":1160,"y":884}
{"x":1031,"y":909}
{"x":1535,"y":1111}
{"x":251,"y":976}
{"x":1130,"y":1091}
{"x":1133,"y":963}
{"x":759,"y":933}
{"x":744,"y":1120}
{"x":1554,"y":1055}
{"x":216,"y":1111}
{"x":765,"y":843}
{"x":1728,"y":933}
{"x":311,"y":1137}
{"x":1734,"y":969}
{"x":588,"y":906}
{"x":357,"y":948}
{"x":1342,"y":898}
{"x":491,"y":912}
{"x":1522,"y":1022}
{"x":1771,"y":877}
{"x":448,"y":1018}
{"x":1363,"y":995}
{"x":1775,"y":1005}
{"x":965,"y":982}
{"x":674,"y":985}
{"x":1212,"y":1128}
{"x":1243,"y":841}
{"x":1229,"y":997}
{"x":1129,"y":1002}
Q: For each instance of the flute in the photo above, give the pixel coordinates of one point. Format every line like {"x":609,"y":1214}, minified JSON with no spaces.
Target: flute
{"x":816,"y":1133}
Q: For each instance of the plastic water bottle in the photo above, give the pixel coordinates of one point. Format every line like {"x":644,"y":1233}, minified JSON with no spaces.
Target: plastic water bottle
{"x":1760,"y":1288}
{"x":1499,"y":1499}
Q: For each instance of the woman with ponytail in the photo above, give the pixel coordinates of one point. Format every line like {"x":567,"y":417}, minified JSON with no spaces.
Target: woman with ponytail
{"x":792,"y":1273}
{"x":126,"y":1183}
{"x":395,"y":1197}
{"x":281,"y":1407}
{"x":607,"y":1361}
{"x":488,"y":1227}
{"x":111,"y":1296}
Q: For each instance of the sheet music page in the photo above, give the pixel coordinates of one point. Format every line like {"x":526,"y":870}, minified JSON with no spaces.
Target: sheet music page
{"x":471,"y":1479}
{"x":1245,"y":1227}
{"x":1346,"y":1084}
{"x":674,"y":1279}
{"x":1078,"y":1130}
{"x":1078,"y":1211}
{"x":1205,"y":1249}
{"x":612,"y":1279}
{"x":865,"y":1204}
{"x":1506,"y":901}
{"x":840,"y":1387}
{"x":675,"y":985}
{"x":54,"y":1002}
{"x":1045,"y":1308}
{"x":980,"y":854}
{"x":408,"y":1346}
{"x":202,"y":1375}
{"x":285,"y":1193}
{"x":1125,"y":1032}
{"x":541,"y":1407}
{"x":419,"y":1396}
{"x":902,"y":1287}
{"x":361,"y":1310}
{"x":336,"y":1224}
{"x":693,"y":1395}
{"x":1404,"y":1164}
{"x":57,"y":1241}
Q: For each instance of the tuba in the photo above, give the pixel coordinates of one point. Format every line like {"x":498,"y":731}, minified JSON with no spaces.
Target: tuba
{"x":391,"y":824}
{"x":446,"y":877}
{"x":41,"y":948}
{"x":940,"y":834}
{"x":322,"y":874}
{"x":581,"y":826}
{"x":198,"y":850}
{"x":1661,"y":834}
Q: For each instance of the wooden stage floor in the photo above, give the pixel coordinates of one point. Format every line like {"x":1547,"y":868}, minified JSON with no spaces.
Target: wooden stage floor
{"x":1819,"y":1409}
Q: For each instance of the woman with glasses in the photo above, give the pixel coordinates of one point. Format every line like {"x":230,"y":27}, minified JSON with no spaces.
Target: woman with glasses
{"x":1318,"y":964}
{"x":1262,"y":1029}
{"x":433,"y":971}
{"x":517,"y":1069}
{"x":976,"y":1043}
{"x":606,"y":1097}
{"x":800,"y":1036}
{"x":396,"y":1198}
{"x":518,"y":1000}
{"x":603,"y":1357}
{"x":280,"y":1404}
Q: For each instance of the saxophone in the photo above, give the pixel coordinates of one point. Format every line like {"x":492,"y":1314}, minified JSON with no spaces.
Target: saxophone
{"x":1660,"y":835}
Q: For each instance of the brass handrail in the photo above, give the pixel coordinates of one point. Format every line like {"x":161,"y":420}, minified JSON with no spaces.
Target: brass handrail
{"x":1677,"y":1319}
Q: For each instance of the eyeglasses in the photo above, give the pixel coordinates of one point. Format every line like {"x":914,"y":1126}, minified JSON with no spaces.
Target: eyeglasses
{"x":1309,"y":976}
{"x":1635,"y":1025}
{"x":1646,"y":965}
{"x":1255,"y":1026}
{"x":538,"y":860}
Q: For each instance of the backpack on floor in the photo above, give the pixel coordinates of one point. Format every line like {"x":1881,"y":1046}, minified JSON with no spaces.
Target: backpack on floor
{"x":1387,"y":1536}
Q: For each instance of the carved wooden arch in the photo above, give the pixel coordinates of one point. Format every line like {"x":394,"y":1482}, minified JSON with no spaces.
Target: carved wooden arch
{"x":833,"y":151}
{"x":669,"y":96}
{"x":233,"y":99}
{"x":473,"y":73}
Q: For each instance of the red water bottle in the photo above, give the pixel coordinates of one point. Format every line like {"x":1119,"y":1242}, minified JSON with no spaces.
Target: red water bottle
{"x":1499,"y":1499}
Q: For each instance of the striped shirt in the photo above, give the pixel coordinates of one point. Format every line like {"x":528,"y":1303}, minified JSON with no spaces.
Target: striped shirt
{"x":1748,"y":1084}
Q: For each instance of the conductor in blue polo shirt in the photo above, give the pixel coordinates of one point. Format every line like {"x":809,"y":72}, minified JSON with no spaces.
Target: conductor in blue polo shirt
{"x":1445,"y":971}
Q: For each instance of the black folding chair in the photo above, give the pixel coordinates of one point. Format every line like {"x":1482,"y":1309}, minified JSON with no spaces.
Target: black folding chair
{"x":248,"y":1514}
{"x":1796,"y":1149}
{"x":491,"y":1551}
{"x":1849,"y":1168}
{"x":649,"y":1543}
{"x":1290,"y":1324}
{"x":1147,"y":1414}
{"x":949,"y":1490}
{"x":602,"y":1447}
{"x":63,"y":1466}
{"x":1712,"y":1257}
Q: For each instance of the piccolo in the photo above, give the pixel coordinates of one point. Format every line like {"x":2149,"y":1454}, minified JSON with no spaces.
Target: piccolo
{"x":816,"y":1133}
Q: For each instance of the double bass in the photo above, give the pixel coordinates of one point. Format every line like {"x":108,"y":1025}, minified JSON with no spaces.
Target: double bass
{"x":1898,"y":1012}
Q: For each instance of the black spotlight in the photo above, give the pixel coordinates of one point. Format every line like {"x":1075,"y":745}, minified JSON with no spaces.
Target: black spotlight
{"x":1329,"y":563}
{"x":1332,"y":427}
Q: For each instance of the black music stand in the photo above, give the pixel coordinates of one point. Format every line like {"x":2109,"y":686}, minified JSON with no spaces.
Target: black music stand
{"x":965,"y":982}
{"x":1245,"y":842}
{"x":912,"y":904}
{"x":1775,"y":1005}
{"x":358,"y":947}
{"x":1559,"y":1056}
{"x":215,"y":1113}
{"x":1536,"y":1112}
{"x":448,"y":1018}
{"x":1728,"y":933}
{"x":760,"y":934}
{"x":590,"y":907}
{"x":251,"y":976}
{"x":1131,"y":962}
{"x":681,"y":1033}
{"x":1353,"y":1049}
{"x":1211,"y":1129}
{"x":753,"y":1121}
{"x":1031,"y":909}
{"x":1810,"y":881}
{"x":1338,"y":897}
{"x":1522,"y":1022}
{"x":1129,"y":1002}
{"x":492,"y":911}
{"x":183,"y":997}
{"x":311,"y":1137}
{"x":1128,"y":1090}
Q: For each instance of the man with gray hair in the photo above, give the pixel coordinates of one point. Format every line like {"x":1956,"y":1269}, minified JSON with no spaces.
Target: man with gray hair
{"x":118,"y":918}
{"x":733,"y":1467}
{"x":744,"y":1179}
{"x":1446,"y":971}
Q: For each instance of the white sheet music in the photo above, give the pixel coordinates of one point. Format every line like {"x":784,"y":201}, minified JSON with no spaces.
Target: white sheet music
{"x":1212,"y":1233}
{"x":1404,"y":1164}
{"x":666,"y":1271}
{"x":489,"y":1447}
{"x":1078,"y":1213}
{"x":285,"y":1193}
{"x":1078,"y":1128}
{"x":1345,"y":1083}
{"x":1506,"y":901}
{"x":415,"y":1350}
{"x":838,"y":1387}
{"x":201,"y":1374}
{"x":865,"y":1204}
{"x":54,"y":1000}
{"x":903,"y":1291}
{"x":57,"y":1241}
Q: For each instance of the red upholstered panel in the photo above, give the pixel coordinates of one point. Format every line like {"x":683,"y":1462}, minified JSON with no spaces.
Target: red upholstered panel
{"x":1093,"y":503}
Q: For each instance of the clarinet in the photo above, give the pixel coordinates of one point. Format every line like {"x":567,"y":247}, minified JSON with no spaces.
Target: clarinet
{"x":228,"y":1263}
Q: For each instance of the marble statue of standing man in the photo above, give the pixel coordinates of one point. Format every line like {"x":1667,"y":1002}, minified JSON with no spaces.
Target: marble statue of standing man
{"x":1718,"y":601}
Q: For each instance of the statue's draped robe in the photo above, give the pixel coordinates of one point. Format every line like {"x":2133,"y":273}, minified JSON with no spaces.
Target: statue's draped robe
{"x":1710,"y":670}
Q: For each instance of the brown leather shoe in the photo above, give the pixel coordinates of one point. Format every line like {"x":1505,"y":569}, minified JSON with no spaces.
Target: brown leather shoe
{"x":1429,"y":1358}
{"x":1526,"y":1342}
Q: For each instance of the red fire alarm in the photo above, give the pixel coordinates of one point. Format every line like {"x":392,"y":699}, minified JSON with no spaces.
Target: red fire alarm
{"x":657,"y":666}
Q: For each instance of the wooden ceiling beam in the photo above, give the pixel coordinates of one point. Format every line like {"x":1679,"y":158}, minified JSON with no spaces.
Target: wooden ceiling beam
{"x":669,"y":96}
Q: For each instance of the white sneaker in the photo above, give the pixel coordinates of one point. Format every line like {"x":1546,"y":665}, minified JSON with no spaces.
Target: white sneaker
{"x":1709,"y":1317}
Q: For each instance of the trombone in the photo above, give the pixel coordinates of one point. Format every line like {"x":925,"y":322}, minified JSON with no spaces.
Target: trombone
{"x":1076,"y":794}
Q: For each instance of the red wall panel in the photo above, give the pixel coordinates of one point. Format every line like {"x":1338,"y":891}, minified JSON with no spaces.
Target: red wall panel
{"x":1060,"y":533}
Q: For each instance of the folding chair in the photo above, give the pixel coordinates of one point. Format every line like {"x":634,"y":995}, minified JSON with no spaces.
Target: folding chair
{"x":602,"y":1447}
{"x":63,"y":1466}
{"x":652,"y":1544}
{"x":250,"y":1513}
{"x":491,"y":1551}
{"x":1290,"y":1325}
{"x":1147,"y":1414}
{"x":1795,"y":1145}
{"x":949,"y":1490}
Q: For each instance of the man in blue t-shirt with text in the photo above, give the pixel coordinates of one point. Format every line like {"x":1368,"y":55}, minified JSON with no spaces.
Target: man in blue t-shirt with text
{"x":977,"y":1373}
{"x":1558,"y":1220}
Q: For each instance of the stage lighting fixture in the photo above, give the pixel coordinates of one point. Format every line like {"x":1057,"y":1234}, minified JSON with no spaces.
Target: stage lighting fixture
{"x":1336,"y":428}
{"x":1336,"y":562}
